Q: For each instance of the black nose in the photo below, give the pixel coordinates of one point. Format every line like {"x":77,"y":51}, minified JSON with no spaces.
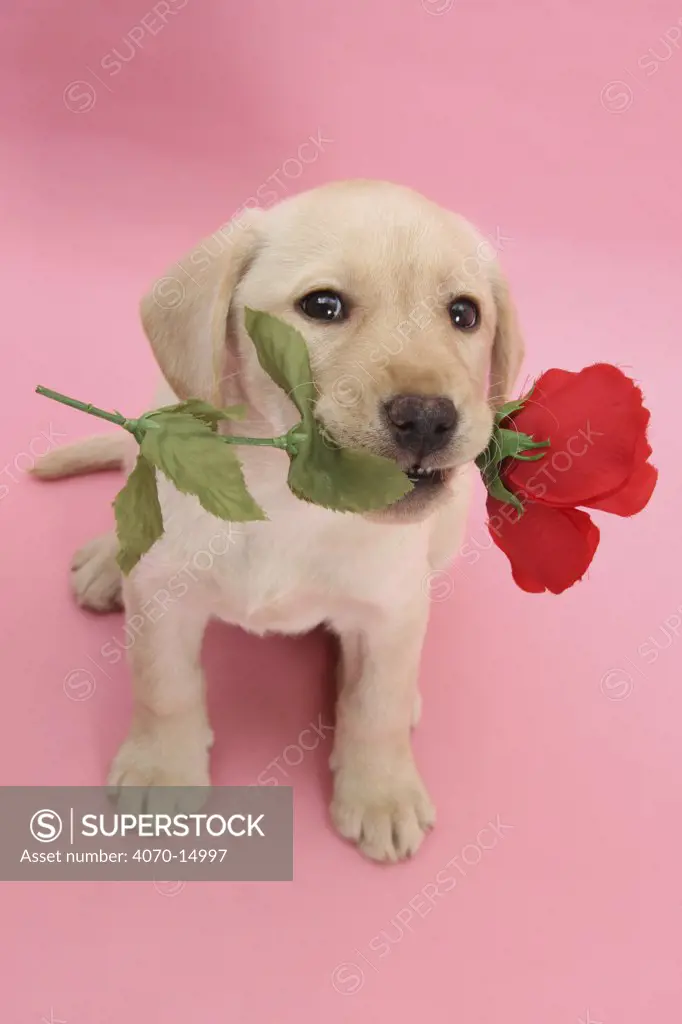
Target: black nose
{"x":421,"y":424}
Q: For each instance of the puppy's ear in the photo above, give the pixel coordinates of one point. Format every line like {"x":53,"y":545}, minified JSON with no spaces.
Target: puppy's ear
{"x":508,"y":346}
{"x":184,"y":315}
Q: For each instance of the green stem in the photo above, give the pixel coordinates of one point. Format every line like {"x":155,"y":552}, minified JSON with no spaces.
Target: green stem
{"x":273,"y":442}
{"x":137,"y":428}
{"x":112,"y":417}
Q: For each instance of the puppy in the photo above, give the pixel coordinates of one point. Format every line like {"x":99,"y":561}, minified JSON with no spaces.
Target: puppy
{"x":413,"y":340}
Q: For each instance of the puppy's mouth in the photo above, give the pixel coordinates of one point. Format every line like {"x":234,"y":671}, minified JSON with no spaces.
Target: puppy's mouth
{"x":423,"y":480}
{"x":429,"y":483}
{"x":429,"y":488}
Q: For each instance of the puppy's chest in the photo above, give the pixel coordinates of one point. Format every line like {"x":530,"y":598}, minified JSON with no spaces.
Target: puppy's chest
{"x":303,"y":567}
{"x":288,"y":587}
{"x":289,"y":577}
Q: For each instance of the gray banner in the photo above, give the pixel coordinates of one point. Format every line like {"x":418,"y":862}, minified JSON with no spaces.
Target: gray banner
{"x":76,"y":833}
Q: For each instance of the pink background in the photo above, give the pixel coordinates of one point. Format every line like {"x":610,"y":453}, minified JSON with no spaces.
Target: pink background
{"x":552,"y":123}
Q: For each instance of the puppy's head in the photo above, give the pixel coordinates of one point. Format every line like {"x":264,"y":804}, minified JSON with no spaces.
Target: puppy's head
{"x":412,"y":335}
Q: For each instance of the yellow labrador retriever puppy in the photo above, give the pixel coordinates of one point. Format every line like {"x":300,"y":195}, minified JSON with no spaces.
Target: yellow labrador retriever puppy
{"x":413,"y":340}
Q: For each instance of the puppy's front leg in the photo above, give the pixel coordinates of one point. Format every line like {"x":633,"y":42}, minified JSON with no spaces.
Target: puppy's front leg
{"x":379,"y":799}
{"x":170,"y":736}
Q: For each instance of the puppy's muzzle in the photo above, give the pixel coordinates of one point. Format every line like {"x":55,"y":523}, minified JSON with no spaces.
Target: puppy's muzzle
{"x":421,"y":424}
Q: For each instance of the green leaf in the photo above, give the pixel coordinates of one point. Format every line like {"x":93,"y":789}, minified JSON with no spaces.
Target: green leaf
{"x":508,"y":410}
{"x":511,"y":407}
{"x":201,"y":410}
{"x":344,"y":479}
{"x":199,"y":462}
{"x":497,"y":489}
{"x":507,"y":444}
{"x":139,"y":522}
{"x":501,"y":444}
{"x":511,"y":443}
{"x":283,"y":354}
{"x":347,"y":480}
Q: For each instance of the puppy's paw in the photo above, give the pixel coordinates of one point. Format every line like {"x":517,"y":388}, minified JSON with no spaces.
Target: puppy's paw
{"x":96,"y":578}
{"x":149,"y":774}
{"x":384,"y":809}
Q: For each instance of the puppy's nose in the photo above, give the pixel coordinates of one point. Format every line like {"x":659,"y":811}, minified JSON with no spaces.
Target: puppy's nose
{"x":420,"y":423}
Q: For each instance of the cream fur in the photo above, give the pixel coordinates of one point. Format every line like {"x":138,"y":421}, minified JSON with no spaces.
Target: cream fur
{"x":389,"y":250}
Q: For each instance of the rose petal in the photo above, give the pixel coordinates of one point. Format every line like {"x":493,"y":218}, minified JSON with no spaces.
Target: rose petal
{"x":525,"y":581}
{"x":551,"y":380}
{"x":595,"y":422}
{"x":632,"y":498}
{"x":636,"y":492}
{"x":549,"y":548}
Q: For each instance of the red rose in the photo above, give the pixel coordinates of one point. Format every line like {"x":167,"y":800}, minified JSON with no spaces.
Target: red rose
{"x":598,"y":458}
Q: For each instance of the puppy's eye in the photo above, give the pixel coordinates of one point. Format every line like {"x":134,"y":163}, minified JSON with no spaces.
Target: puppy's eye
{"x":464,"y":314}
{"x":323,"y":305}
